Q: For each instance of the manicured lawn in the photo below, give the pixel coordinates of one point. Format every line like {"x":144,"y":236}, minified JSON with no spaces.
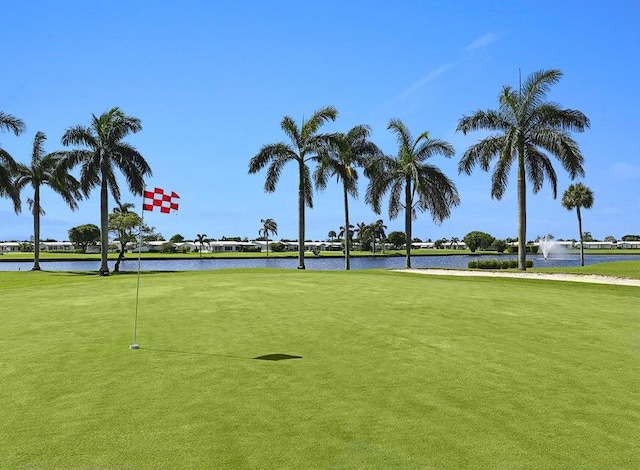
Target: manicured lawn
{"x":396,"y":370}
{"x":628,"y":269}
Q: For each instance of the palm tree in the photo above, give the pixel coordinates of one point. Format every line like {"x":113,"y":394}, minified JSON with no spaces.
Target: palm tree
{"x":347,"y":235}
{"x":7,"y":163}
{"x":425,"y":186}
{"x":528,"y":128}
{"x":268,"y":226}
{"x":46,"y":170}
{"x":577,"y":196}
{"x":332,"y":235}
{"x":362,"y":229}
{"x":107,"y":152}
{"x":305,"y":146}
{"x":201,"y":239}
{"x":347,"y":152}
{"x":377,"y":232}
{"x":453,"y":243}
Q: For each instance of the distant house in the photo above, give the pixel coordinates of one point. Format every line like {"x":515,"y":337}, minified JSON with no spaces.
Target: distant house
{"x":598,"y":245}
{"x":57,"y":246}
{"x":9,"y":247}
{"x":228,"y":246}
{"x":629,"y":244}
{"x":423,"y":245}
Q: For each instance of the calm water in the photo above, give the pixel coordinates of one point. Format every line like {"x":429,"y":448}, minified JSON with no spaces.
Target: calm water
{"x":397,"y":262}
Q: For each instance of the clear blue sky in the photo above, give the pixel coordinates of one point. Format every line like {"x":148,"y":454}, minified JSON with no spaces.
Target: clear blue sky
{"x":211,"y":82}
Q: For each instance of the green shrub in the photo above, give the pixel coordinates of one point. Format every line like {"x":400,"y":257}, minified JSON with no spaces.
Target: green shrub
{"x":167,"y":247}
{"x":472,"y":264}
{"x":277,"y":247}
{"x":499,"y":245}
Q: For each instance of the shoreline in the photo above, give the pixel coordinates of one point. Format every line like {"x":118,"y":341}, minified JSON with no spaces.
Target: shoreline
{"x":11,"y":257}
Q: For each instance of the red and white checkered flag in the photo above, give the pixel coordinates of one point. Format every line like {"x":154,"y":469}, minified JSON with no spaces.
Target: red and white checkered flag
{"x":158,"y":198}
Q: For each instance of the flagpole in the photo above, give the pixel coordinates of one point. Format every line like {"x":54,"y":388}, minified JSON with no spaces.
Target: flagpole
{"x":135,"y":344}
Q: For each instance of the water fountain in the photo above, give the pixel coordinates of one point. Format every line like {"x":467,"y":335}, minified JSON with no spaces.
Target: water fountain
{"x":546,"y":245}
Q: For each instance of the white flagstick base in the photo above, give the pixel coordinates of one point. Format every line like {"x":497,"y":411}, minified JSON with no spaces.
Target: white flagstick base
{"x":134,"y":346}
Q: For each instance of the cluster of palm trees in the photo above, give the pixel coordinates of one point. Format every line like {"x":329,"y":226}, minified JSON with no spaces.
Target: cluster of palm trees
{"x":363,"y":233}
{"x":99,"y":152}
{"x":527,"y":131}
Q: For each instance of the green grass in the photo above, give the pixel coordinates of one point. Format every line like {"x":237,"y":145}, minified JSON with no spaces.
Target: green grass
{"x":397,"y":370}
{"x":627,"y":269}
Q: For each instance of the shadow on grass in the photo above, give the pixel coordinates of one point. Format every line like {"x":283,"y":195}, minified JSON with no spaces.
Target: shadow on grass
{"x":276,"y":357}
{"x":173,"y":351}
{"x":266,"y":357}
{"x":112,"y":274}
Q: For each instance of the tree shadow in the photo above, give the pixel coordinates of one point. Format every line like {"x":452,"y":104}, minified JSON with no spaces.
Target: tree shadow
{"x":276,"y":357}
{"x":266,"y":357}
{"x":111,"y":274}
{"x":174,"y":351}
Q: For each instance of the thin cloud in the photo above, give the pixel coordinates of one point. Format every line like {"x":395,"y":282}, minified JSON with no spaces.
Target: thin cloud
{"x":424,"y":80}
{"x":625,"y":171}
{"x":483,"y":41}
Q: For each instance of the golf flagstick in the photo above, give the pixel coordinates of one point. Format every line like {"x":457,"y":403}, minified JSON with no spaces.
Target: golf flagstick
{"x":165,"y":202}
{"x":135,"y":344}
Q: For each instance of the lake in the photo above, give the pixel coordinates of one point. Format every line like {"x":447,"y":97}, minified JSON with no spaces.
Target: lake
{"x":319,"y":263}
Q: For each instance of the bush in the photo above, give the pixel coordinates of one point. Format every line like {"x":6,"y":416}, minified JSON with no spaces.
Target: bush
{"x":499,"y":245}
{"x":277,"y":247}
{"x":496,"y":264}
{"x":167,"y":247}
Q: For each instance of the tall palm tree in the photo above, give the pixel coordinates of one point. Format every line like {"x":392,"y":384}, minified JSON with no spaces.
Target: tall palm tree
{"x":377,"y":232}
{"x":347,"y":235}
{"x":362,"y":231}
{"x":578,"y":196}
{"x":425,"y":186}
{"x":7,"y":163}
{"x":268,"y":226}
{"x":347,"y":152}
{"x":107,"y":152}
{"x":332,"y":235}
{"x":305,"y":146}
{"x":201,"y":239}
{"x":45,"y":170}
{"x":529,"y":129}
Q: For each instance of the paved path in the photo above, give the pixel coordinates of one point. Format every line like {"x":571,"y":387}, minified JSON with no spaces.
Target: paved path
{"x":592,"y":278}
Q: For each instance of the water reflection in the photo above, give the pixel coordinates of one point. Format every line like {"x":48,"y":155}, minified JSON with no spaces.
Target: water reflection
{"x":319,"y":263}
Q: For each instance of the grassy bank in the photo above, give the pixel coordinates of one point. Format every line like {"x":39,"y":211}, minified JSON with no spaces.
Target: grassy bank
{"x":394,"y":371}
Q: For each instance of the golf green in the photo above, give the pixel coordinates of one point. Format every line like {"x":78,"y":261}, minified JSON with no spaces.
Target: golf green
{"x":291,"y":369}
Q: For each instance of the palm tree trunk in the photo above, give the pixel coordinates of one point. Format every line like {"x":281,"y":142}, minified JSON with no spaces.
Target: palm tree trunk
{"x":104,"y":227}
{"x":522,"y":213}
{"x":347,"y":251}
{"x":407,"y":219}
{"x":581,"y":238}
{"x":267,"y":237}
{"x":301,"y":203}
{"x":36,"y":229}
